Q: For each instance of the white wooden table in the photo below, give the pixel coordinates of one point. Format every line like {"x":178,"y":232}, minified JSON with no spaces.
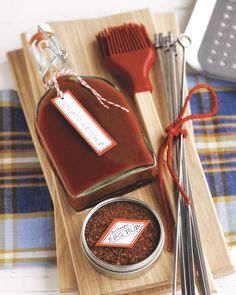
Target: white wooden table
{"x":17,"y":16}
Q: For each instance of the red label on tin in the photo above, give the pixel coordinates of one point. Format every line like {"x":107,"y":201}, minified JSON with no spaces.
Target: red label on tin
{"x":122,"y":233}
{"x":91,"y":131}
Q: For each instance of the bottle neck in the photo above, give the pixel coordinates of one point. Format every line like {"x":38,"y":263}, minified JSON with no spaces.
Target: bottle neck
{"x":54,"y":66}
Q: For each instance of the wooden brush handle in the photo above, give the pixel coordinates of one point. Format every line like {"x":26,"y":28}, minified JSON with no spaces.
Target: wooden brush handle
{"x":154,"y":130}
{"x":150,"y":118}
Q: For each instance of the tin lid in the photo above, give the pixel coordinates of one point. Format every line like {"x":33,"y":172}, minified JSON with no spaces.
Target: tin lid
{"x":123,"y":269}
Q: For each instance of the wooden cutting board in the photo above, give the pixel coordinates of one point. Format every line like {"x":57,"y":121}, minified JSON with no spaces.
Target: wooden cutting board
{"x":86,"y":61}
{"x":66,"y":273}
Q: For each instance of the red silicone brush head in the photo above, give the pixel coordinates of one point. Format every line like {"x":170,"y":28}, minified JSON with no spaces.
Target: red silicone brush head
{"x":129,"y":54}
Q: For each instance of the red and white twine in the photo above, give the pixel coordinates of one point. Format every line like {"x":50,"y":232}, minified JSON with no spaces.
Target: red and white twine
{"x":67,"y":71}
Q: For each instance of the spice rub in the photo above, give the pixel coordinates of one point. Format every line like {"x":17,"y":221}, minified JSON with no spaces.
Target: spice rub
{"x":103,"y":217}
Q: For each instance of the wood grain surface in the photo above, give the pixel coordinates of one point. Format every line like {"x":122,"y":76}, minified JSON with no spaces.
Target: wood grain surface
{"x":78,"y":37}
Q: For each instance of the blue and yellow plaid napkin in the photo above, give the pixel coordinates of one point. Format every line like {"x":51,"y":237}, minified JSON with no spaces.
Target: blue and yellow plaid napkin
{"x":26,"y":211}
{"x":26,"y":217}
{"x":216,"y":145}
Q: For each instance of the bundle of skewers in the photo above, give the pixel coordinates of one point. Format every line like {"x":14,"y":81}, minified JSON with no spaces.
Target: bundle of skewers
{"x":188,"y":249}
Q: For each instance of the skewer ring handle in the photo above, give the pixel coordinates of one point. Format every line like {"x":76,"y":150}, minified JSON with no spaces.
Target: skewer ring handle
{"x":184,"y":41}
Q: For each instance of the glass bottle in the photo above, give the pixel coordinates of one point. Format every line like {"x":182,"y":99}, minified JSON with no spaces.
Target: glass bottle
{"x":85,"y":176}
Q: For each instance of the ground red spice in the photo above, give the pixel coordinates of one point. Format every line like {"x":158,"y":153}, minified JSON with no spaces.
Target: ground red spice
{"x":103,"y":217}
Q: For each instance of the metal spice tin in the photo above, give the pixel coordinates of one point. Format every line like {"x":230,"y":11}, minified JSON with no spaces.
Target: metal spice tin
{"x":122,"y":271}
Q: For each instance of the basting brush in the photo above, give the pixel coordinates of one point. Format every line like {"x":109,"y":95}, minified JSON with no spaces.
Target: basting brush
{"x":128,"y":53}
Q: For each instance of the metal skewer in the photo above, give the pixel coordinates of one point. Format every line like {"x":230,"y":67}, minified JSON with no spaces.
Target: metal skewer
{"x":185,"y":42}
{"x":183,"y":179}
{"x":162,"y":49}
{"x":159,"y":48}
{"x":181,"y":242}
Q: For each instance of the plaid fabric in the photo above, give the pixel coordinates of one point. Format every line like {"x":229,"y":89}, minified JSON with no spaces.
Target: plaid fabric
{"x":26,"y":217}
{"x":216,"y":145}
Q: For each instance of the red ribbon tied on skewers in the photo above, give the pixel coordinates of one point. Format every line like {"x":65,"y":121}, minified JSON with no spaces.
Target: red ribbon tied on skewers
{"x":174,"y":131}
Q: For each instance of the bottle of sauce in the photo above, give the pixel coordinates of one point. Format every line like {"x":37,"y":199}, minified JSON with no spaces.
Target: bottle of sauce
{"x":97,"y":150}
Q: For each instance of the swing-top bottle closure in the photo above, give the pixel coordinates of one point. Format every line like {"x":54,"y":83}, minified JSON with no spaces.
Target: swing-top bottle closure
{"x":47,"y":53}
